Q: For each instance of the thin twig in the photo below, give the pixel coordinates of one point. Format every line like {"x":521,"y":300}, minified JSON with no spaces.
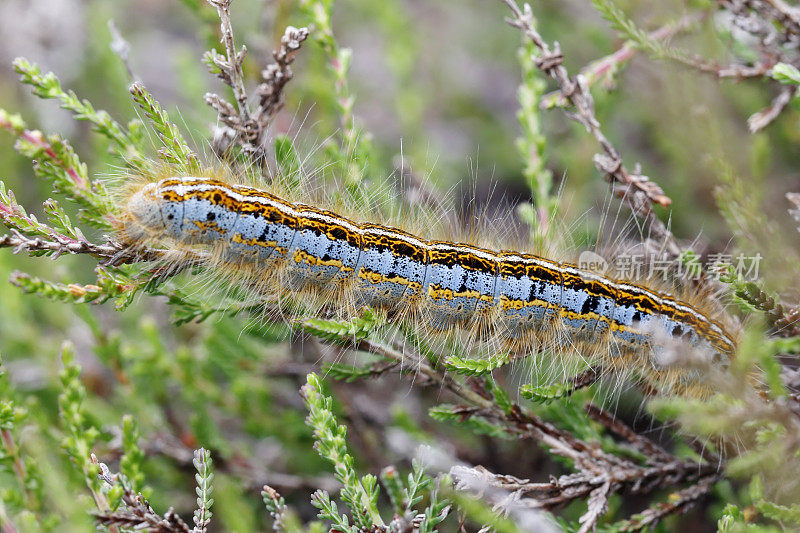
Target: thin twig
{"x":20,"y":242}
{"x":637,"y":189}
{"x":733,"y":71}
{"x":679,"y":502}
{"x":114,"y":252}
{"x":234,"y":59}
{"x":648,"y":448}
{"x":136,"y":513}
{"x":278,"y":74}
{"x":759,"y":121}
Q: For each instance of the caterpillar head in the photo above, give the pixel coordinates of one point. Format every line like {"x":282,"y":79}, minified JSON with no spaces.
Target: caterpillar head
{"x":155,"y":212}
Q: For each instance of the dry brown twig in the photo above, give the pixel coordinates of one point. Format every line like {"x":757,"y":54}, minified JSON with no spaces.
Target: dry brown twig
{"x":646,"y":447}
{"x":231,"y":65}
{"x":732,"y":71}
{"x":635,"y":188}
{"x":596,"y":489}
{"x":775,"y":25}
{"x":678,"y":502}
{"x":137,"y":514}
{"x":777,"y":10}
{"x":278,"y":74}
{"x":114,"y":253}
{"x":598,"y":474}
{"x":241,"y":127}
{"x":19,"y":242}
{"x":760,"y":120}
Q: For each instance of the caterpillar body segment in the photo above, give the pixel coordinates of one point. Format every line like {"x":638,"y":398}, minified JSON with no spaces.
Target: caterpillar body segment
{"x":391,"y":269}
{"x":461,"y":280}
{"x":523,"y":297}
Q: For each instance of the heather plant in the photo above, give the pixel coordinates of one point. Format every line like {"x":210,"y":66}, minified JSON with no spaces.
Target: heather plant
{"x":130,"y":399}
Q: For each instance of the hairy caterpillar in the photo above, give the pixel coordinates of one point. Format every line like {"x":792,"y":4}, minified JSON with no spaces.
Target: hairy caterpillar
{"x":529,"y":302}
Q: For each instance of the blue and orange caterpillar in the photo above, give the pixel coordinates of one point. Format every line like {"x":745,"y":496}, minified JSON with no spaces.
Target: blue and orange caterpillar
{"x":531,"y":302}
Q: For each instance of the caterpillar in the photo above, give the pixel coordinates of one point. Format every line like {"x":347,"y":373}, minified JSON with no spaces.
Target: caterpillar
{"x":530,"y":302}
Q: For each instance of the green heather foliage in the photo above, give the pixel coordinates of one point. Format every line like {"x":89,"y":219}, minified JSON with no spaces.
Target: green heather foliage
{"x":167,"y":405}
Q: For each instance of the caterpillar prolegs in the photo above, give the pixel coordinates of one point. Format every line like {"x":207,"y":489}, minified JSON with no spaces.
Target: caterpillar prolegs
{"x":527,"y":300}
